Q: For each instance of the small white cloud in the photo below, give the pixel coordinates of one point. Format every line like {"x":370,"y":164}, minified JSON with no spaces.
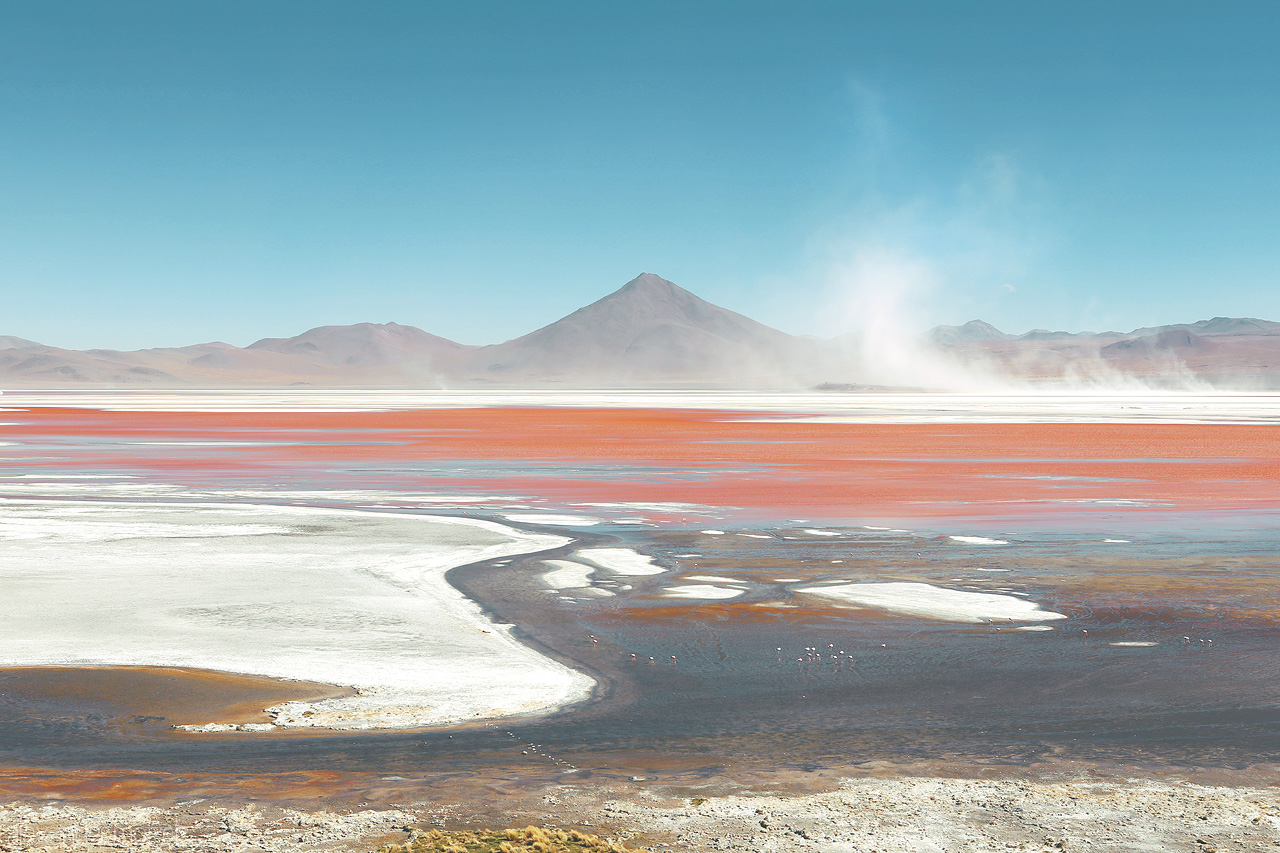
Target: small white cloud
{"x":1010,"y":288}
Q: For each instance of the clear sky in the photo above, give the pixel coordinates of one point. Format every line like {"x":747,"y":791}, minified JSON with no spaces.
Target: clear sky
{"x":172,"y":173}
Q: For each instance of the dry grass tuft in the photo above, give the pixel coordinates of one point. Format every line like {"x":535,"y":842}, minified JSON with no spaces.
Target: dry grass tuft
{"x":531,"y":839}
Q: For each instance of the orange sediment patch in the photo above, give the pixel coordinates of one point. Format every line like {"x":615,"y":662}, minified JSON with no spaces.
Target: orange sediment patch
{"x":772,"y":467}
{"x":179,"y":695}
{"x":133,"y":786}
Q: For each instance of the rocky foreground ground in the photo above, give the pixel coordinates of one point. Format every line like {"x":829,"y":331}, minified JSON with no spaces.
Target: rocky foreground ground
{"x":906,"y":815}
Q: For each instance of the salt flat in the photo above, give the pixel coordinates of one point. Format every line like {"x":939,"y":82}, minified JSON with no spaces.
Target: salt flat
{"x":333,"y":596}
{"x":1020,"y":405}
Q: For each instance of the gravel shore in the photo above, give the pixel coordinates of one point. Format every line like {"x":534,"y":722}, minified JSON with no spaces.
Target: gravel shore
{"x":893,"y":815}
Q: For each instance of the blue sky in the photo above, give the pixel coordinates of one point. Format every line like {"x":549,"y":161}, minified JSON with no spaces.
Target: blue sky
{"x":172,"y":173}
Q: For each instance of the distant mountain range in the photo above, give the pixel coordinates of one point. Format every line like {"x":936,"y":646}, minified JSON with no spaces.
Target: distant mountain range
{"x":651,"y":333}
{"x":1225,"y":352}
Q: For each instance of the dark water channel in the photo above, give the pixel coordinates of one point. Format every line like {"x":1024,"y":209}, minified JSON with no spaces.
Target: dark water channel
{"x":900,"y":689}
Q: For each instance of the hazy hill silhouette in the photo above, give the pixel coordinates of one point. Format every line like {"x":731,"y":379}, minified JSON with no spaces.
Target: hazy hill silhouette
{"x":364,"y":345}
{"x":653,"y":333}
{"x":1228,"y":352}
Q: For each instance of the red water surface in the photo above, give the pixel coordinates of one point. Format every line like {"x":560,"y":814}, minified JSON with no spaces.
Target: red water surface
{"x":770,"y":468}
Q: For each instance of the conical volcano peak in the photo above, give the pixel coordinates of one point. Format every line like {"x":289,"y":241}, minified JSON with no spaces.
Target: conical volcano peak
{"x":648,"y":301}
{"x":647,"y":281}
{"x":653,"y":290}
{"x":647,"y":328}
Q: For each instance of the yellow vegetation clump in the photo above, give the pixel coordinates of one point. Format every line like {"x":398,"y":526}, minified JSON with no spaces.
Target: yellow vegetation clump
{"x":531,"y":839}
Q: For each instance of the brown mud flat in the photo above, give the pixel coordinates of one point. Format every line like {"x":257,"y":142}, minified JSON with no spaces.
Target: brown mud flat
{"x":161,"y":695}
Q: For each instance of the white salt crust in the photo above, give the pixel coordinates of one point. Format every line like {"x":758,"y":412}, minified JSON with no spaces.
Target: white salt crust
{"x":338,"y":597}
{"x":620,"y":561}
{"x":931,"y":602}
{"x":553,"y":518}
{"x":702,"y":591}
{"x":566,"y":575}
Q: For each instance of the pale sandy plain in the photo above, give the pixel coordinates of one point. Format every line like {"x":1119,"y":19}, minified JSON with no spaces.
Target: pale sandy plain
{"x":936,"y":814}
